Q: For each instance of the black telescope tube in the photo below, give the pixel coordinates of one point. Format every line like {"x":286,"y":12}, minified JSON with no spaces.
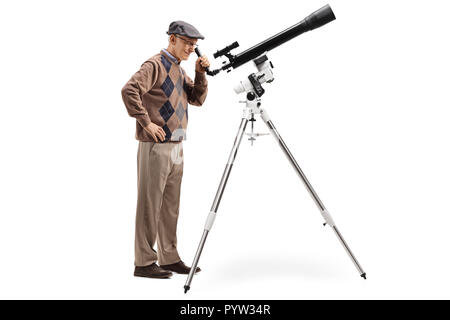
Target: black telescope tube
{"x":313,"y":21}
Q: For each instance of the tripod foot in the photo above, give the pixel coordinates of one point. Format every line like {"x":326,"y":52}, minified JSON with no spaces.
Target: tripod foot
{"x":364,"y":276}
{"x":186,"y":288}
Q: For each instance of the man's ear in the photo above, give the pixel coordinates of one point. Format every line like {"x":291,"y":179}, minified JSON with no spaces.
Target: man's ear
{"x":172,"y":39}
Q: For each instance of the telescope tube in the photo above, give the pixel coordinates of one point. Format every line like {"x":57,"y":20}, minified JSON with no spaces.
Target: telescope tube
{"x":313,"y":21}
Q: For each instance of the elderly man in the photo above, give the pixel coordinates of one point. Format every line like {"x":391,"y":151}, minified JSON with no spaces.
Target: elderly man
{"x":158,"y":96}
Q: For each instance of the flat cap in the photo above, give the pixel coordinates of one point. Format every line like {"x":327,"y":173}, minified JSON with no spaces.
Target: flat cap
{"x":184,"y":29}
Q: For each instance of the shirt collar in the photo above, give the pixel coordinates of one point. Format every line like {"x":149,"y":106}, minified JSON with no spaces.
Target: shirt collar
{"x":171,"y":57}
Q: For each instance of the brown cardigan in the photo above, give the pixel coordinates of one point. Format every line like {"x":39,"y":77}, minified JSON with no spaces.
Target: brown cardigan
{"x":160,"y":92}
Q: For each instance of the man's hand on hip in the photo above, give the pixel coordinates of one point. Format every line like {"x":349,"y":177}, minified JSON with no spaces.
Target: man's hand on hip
{"x":156,"y":132}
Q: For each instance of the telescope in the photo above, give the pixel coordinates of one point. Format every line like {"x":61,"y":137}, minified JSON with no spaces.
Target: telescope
{"x":252,"y":86}
{"x":313,"y":21}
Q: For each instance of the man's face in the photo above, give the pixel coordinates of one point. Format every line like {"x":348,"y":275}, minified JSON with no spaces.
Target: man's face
{"x":182,"y":46}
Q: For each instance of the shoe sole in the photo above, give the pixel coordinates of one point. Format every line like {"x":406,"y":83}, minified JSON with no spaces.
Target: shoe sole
{"x":181,"y":273}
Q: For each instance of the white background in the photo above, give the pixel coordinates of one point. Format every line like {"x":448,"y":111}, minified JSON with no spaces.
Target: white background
{"x":362,"y":104}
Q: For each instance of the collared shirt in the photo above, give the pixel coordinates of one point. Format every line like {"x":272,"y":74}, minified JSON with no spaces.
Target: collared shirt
{"x":175,"y":60}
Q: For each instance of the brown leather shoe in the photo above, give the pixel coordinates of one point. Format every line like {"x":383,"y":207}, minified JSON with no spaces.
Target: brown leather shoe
{"x":179,"y":267}
{"x":152,"y":271}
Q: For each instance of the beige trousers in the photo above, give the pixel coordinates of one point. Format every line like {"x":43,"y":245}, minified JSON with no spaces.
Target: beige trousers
{"x":160,"y":170}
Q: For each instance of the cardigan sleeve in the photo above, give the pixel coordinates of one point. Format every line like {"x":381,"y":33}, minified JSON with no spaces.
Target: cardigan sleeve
{"x":140,"y":83}
{"x":196,"y":90}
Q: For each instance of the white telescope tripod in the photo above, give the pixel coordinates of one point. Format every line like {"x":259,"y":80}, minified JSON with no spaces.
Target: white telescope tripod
{"x":252,"y":86}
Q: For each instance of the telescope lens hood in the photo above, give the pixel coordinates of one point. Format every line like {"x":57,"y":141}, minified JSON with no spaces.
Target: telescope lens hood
{"x":320,"y":18}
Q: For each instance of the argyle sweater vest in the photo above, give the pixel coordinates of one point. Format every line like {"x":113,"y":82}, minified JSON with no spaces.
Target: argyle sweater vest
{"x":160,"y":92}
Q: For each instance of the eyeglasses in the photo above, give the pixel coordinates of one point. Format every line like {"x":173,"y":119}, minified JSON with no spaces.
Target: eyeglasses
{"x":188,"y":43}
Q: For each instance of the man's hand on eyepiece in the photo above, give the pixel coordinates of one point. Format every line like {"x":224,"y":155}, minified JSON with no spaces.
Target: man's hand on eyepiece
{"x":201,"y":64}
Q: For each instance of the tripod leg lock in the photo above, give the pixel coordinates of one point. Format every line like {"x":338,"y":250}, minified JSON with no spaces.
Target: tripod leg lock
{"x":327,"y":217}
{"x":210,"y":220}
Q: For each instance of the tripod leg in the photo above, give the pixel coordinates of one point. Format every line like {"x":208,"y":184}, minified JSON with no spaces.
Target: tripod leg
{"x":215,"y":205}
{"x":310,"y":189}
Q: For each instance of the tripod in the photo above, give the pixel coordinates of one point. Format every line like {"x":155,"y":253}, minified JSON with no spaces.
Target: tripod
{"x":253,"y":106}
